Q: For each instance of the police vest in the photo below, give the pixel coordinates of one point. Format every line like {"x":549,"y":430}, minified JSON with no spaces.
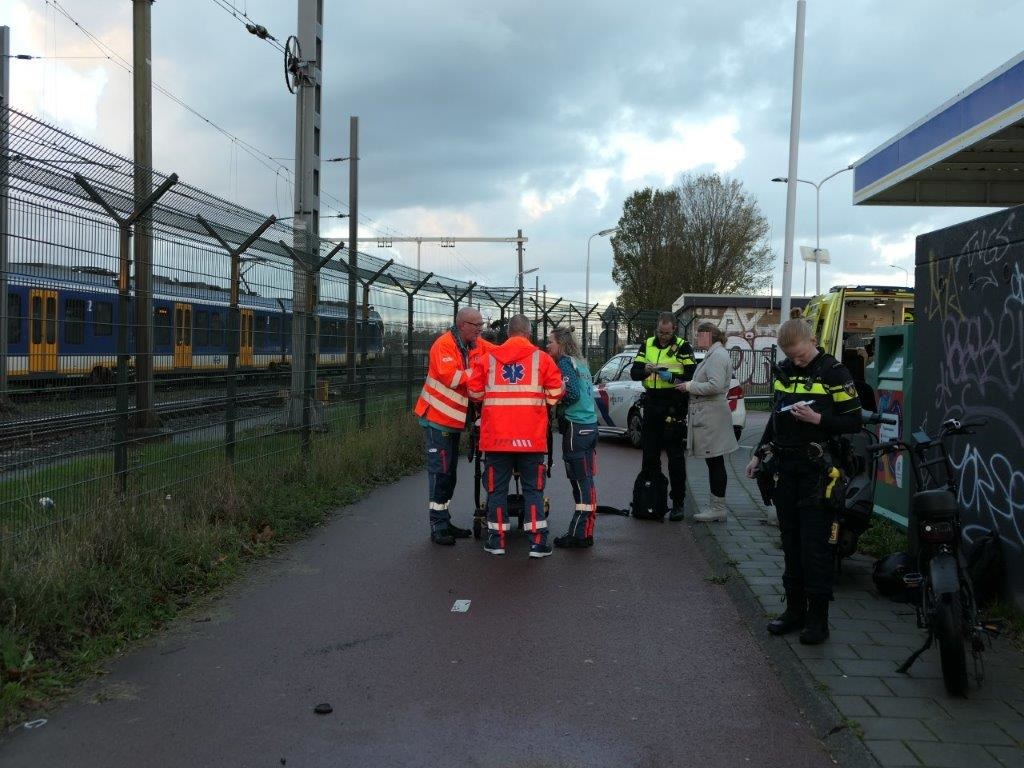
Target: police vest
{"x":674,"y":357}
{"x":818,"y":386}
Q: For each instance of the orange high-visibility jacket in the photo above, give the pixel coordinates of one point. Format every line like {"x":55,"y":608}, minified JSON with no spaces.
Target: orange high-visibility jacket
{"x":443,"y":399}
{"x":516,"y":382}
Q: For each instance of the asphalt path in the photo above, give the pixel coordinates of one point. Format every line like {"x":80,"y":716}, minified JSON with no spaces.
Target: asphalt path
{"x":627,"y":654}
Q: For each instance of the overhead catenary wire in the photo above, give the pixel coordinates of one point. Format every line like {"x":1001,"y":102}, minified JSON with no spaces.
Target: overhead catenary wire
{"x":257,"y":30}
{"x":265,"y":159}
{"x":255,"y":152}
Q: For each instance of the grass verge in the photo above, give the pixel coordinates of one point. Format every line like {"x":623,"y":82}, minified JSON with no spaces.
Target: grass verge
{"x":882,"y":538}
{"x":76,"y":593}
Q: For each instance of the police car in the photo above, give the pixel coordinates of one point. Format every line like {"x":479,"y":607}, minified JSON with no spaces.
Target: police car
{"x":619,"y":410}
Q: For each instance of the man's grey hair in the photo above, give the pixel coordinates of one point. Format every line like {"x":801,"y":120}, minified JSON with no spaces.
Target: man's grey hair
{"x":520,"y":325}
{"x":666,"y":318}
{"x":465,"y":314}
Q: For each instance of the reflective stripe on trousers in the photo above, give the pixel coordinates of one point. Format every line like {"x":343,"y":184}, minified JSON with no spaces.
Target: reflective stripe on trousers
{"x":499,"y":468}
{"x":579,"y":450}
{"x":442,"y":468}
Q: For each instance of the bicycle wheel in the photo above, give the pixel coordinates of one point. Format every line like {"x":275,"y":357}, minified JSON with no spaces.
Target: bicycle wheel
{"x":949,"y":631}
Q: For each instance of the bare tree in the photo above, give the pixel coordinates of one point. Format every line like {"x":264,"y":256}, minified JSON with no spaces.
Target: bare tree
{"x":706,"y":235}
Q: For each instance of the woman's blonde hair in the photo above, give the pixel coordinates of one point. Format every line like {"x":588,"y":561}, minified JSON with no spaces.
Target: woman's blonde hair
{"x":793,"y":332}
{"x":567,"y":341}
{"x":717,"y":334}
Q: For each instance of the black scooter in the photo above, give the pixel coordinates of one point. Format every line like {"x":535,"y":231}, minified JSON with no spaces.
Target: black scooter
{"x":859,"y":506}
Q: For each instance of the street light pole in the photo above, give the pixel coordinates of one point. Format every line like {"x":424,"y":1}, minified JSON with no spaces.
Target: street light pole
{"x":817,"y":221}
{"x":905,"y":272}
{"x":586,"y":301}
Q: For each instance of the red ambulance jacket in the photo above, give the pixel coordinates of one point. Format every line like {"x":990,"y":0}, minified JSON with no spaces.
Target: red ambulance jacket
{"x":516,"y":383}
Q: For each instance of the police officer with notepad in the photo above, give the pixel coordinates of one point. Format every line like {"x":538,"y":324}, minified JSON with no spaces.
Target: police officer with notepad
{"x":664,"y":361}
{"x":814,"y":401}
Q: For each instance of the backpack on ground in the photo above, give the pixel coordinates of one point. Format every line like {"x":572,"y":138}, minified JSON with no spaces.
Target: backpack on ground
{"x":650,"y":496}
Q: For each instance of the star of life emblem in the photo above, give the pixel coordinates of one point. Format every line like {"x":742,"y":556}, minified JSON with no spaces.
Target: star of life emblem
{"x":513,"y":372}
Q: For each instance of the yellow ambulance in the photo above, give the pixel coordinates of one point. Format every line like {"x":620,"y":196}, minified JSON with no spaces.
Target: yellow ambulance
{"x":845,"y":318}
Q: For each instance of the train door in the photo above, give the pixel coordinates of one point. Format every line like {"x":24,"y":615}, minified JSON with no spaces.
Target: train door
{"x":245,"y":357}
{"x":42,"y":342}
{"x":182,"y":335}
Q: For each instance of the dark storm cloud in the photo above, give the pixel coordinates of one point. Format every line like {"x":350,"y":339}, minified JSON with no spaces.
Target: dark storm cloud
{"x":465,"y":106}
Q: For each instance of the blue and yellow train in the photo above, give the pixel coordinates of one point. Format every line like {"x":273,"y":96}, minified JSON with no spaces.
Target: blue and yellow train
{"x":62,"y":324}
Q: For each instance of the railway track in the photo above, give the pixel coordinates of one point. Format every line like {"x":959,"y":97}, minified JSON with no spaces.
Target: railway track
{"x":19,"y":431}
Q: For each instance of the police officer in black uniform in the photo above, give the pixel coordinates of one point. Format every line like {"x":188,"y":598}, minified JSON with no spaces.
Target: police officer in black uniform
{"x":815,"y":401}
{"x":664,"y":361}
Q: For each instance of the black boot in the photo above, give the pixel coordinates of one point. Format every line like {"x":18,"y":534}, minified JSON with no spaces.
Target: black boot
{"x":816,"y":631}
{"x":458,"y":533}
{"x":793,"y":617}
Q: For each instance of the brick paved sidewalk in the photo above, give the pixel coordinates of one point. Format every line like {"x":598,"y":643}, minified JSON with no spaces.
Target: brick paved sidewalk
{"x":904,"y":720}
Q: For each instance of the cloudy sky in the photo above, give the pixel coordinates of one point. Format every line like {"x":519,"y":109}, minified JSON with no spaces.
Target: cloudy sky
{"x":481,"y":117}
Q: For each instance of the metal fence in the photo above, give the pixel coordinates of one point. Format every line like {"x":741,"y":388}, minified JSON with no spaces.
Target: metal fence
{"x":121,"y":381}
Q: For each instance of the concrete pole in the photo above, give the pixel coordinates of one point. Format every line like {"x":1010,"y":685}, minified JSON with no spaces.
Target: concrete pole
{"x":5,"y":93}
{"x":353,"y":248}
{"x":519,"y":251}
{"x":146,"y":417}
{"x":794,"y":151}
{"x":306,"y":221}
{"x":817,"y":243}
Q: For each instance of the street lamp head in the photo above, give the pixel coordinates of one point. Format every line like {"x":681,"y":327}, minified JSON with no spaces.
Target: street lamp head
{"x":528,"y":271}
{"x":608,"y":231}
{"x":781,"y":178}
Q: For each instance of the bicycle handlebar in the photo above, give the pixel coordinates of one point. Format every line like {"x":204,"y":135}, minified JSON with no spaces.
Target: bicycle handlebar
{"x":948,"y":428}
{"x":878,"y":418}
{"x":958,"y":427}
{"x":888,"y":445}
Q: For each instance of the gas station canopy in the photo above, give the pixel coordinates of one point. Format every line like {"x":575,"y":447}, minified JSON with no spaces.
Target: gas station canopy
{"x":969,"y":151}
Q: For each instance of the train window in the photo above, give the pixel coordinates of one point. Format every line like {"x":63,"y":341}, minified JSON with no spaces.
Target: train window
{"x":74,"y":321}
{"x":162,"y":327}
{"x":216,"y":330}
{"x":51,"y":320}
{"x":37,"y":320}
{"x":13,"y":318}
{"x":274,"y":329}
{"x":201,"y":332}
{"x":261,"y":329}
{"x":102,"y":318}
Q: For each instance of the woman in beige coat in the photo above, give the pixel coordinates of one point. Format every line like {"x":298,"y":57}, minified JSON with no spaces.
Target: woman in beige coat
{"x":710,"y":434}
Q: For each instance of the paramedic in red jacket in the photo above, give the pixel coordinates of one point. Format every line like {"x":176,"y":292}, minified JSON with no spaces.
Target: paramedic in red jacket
{"x":515,"y":383}
{"x":443,"y":408}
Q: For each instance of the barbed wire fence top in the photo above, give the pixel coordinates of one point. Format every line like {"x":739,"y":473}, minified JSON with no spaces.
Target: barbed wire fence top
{"x":60,"y":448}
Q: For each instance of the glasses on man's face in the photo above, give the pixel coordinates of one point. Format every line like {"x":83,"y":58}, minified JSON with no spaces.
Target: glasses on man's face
{"x":475,"y":325}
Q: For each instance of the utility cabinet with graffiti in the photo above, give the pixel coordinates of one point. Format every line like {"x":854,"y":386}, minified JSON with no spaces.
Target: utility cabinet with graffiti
{"x":969,"y":351}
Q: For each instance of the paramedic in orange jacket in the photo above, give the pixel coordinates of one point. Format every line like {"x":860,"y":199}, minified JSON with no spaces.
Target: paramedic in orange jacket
{"x":443,"y":408}
{"x":516,"y":383}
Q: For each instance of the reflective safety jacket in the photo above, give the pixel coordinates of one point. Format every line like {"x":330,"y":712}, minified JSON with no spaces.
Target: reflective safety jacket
{"x":516,"y":383}
{"x":826,"y":385}
{"x":443,"y":400}
{"x":676,"y":356}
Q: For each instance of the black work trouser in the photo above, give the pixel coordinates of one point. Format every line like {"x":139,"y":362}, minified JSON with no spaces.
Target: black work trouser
{"x":805,"y":525}
{"x":669,"y":436}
